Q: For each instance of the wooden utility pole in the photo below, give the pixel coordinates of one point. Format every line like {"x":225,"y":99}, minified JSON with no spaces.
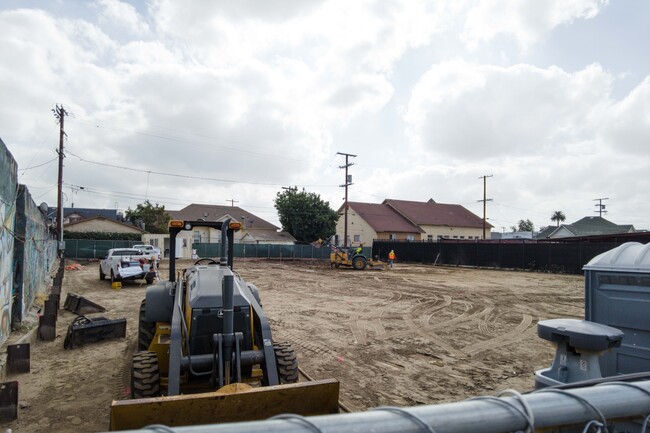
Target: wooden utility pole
{"x":233,"y":201}
{"x":348,"y":182}
{"x":60,"y":113}
{"x":485,"y":200}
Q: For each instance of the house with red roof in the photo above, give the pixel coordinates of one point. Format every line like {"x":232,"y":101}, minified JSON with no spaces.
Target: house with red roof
{"x":409,"y":221}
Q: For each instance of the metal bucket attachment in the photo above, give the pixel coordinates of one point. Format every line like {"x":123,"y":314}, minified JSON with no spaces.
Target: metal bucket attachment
{"x":80,"y":305}
{"x":8,"y":401}
{"x":84,"y":330}
{"x":18,"y":358}
{"x":319,"y":397}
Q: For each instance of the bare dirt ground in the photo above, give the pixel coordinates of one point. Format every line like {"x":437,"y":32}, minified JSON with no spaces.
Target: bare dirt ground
{"x":408,"y":336}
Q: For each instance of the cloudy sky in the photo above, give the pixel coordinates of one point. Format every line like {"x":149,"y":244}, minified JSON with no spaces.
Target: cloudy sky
{"x":210,"y":101}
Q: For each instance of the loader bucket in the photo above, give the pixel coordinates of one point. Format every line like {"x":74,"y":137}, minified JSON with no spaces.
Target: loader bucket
{"x":318,"y":397}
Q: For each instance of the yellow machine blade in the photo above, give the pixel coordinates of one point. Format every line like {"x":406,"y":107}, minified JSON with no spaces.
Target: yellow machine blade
{"x":319,"y":397}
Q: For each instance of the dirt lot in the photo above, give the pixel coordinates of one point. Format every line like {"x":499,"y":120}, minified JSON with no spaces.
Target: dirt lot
{"x":408,"y":336}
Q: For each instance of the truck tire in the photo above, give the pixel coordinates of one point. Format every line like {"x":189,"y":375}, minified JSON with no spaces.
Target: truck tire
{"x":146,"y":330}
{"x":285,"y":358}
{"x":145,"y":375}
{"x":102,"y":275}
{"x":149,"y":279}
{"x":359,"y":263}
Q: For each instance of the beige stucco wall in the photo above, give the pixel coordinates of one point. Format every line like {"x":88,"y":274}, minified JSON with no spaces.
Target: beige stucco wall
{"x":356,"y":226}
{"x":454,"y":232}
{"x":399,"y":236}
{"x":97,"y":225}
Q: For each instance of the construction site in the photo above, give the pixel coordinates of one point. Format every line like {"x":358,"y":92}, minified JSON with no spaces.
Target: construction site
{"x":414,"y":335}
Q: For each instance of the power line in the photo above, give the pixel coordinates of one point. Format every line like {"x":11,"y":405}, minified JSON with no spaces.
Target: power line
{"x":201,"y":143}
{"x":39,"y":165}
{"x":184,"y":176}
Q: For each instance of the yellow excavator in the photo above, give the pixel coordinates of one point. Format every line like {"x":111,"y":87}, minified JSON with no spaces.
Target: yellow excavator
{"x":206,"y":351}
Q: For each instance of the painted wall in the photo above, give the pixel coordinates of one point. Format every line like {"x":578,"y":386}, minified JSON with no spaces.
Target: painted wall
{"x":8,"y":190}
{"x":357,"y":226}
{"x":34,"y":254}
{"x":100,"y":225}
{"x":454,"y":232}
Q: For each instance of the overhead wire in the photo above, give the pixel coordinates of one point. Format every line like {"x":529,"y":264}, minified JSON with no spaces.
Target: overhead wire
{"x":185,"y":176}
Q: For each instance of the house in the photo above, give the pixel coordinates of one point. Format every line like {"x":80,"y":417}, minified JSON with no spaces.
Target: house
{"x":75,"y":214}
{"x":587,"y":226}
{"x":410,"y":221}
{"x":255,"y":230}
{"x":100,"y":224}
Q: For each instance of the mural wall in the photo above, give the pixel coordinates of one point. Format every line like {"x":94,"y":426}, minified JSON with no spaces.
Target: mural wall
{"x":8,"y":193}
{"x":27,"y":251}
{"x":34,"y":254}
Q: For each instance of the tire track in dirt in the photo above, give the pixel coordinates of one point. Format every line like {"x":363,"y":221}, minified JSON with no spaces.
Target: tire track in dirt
{"x":501,"y":340}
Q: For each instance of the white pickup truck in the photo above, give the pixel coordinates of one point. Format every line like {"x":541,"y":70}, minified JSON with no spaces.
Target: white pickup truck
{"x":126,"y":264}
{"x":150,"y":252}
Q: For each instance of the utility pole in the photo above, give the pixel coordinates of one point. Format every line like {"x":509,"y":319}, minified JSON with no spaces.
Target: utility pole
{"x":485,"y":200}
{"x":601,"y":207}
{"x":232,"y":202}
{"x":348,"y":182}
{"x":59,"y":114}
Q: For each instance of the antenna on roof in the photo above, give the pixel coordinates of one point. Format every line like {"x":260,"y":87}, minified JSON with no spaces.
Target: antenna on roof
{"x":601,"y":207}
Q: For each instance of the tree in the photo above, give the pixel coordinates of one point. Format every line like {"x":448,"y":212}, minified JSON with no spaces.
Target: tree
{"x":154,"y":217}
{"x":558,"y":216}
{"x":305,"y":215}
{"x":525,"y":226}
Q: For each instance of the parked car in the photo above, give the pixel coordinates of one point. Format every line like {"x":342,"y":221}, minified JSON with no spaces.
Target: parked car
{"x":151,"y":252}
{"x":126,"y":264}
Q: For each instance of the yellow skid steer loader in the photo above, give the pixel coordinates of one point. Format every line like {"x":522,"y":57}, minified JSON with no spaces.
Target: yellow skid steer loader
{"x":206,"y":352}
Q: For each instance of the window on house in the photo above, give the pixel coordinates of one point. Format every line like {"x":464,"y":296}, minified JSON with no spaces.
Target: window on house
{"x":197,"y":237}
{"x":184,"y":242}
{"x":410,"y":237}
{"x":430,"y":238}
{"x":357,"y":238}
{"x":392,"y":237}
{"x":462,"y":237}
{"x":455,"y":237}
{"x":154,"y":242}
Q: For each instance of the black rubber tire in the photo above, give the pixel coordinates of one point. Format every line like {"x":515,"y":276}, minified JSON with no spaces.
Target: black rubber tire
{"x":145,"y":375}
{"x":146,"y":330}
{"x":149,"y":280}
{"x":287,"y":362}
{"x":102,"y":275}
{"x":359,"y":263}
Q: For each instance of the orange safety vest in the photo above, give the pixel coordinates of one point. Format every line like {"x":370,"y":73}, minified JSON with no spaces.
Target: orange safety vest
{"x":391,"y":256}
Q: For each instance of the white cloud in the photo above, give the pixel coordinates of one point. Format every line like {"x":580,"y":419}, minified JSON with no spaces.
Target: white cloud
{"x":468,"y":111}
{"x":526,"y":22}
{"x":122,"y":15}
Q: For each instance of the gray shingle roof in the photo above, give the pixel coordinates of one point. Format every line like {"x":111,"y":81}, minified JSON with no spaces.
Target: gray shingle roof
{"x":207,"y":212}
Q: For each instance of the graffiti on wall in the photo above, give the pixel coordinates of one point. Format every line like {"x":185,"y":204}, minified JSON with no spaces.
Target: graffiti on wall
{"x":34,"y":257}
{"x":8,"y":182}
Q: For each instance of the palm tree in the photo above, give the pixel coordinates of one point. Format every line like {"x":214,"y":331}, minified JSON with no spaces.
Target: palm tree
{"x":558,"y":216}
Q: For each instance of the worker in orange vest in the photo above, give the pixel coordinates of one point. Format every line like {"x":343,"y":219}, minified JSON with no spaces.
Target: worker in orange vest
{"x":391,"y":258}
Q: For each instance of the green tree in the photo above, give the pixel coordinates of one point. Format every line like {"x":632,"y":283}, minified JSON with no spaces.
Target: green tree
{"x":558,"y":216}
{"x":305,"y":215}
{"x":154,"y":217}
{"x":525,"y":226}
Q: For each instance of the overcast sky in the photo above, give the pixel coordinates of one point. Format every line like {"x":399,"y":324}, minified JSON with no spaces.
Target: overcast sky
{"x":551,"y":97}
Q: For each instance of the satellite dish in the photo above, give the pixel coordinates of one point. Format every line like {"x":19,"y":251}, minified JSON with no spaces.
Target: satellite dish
{"x":43,"y":207}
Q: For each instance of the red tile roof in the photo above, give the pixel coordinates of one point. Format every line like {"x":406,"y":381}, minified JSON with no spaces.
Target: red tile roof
{"x":436,"y":214}
{"x":383,"y":219}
